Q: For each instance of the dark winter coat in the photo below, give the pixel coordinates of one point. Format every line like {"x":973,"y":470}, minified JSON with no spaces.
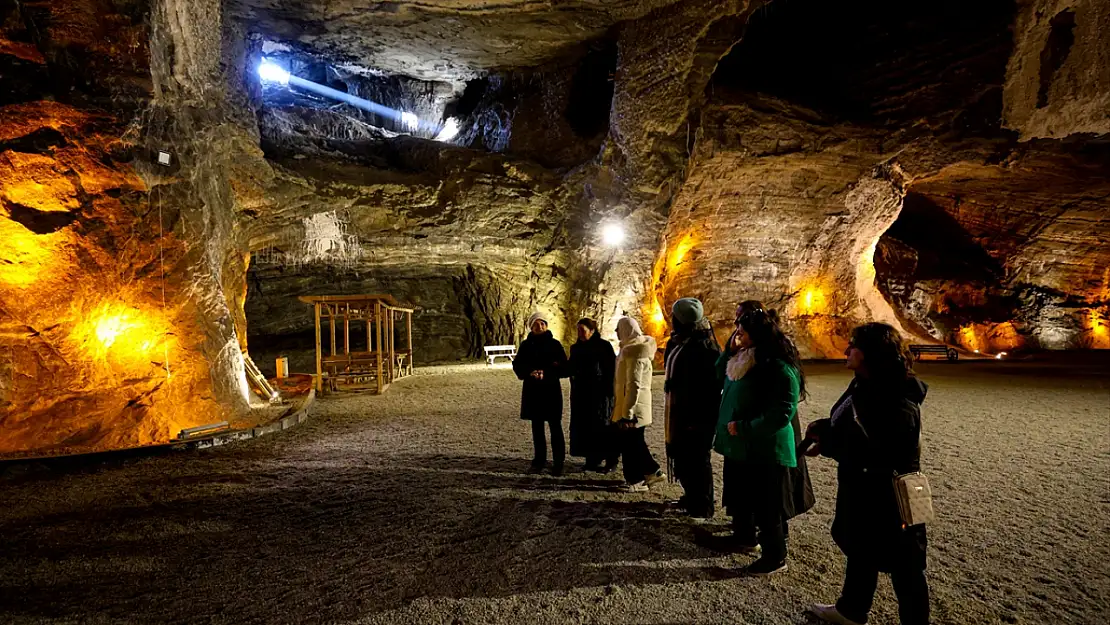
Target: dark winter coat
{"x":877,"y":440}
{"x":764,"y":403}
{"x":693,"y":390}
{"x":762,"y":468}
{"x":592,"y":364}
{"x":541,"y":400}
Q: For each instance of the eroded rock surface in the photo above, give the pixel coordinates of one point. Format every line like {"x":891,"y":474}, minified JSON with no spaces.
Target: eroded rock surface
{"x":946,"y":172}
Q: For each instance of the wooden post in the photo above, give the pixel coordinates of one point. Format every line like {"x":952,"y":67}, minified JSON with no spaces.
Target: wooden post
{"x":408,"y":322}
{"x":378,"y":322}
{"x":347,"y":336}
{"x":319,"y":367}
{"x":392,"y":351}
{"x":331,"y":324}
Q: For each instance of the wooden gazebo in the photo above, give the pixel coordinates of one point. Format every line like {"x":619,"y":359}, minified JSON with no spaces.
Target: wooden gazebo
{"x":381,"y":361}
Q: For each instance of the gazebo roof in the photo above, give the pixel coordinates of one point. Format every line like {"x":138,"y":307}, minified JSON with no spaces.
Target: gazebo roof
{"x":387,"y":300}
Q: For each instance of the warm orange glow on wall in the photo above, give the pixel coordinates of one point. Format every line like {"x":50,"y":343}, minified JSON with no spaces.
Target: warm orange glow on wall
{"x":990,"y":338}
{"x":122,"y":336}
{"x":24,"y":255}
{"x":675,"y":258}
{"x":969,"y":340}
{"x":1099,"y":327}
{"x":812,"y":300}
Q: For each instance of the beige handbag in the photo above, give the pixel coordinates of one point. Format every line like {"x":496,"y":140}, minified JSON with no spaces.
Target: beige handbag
{"x":915,"y":498}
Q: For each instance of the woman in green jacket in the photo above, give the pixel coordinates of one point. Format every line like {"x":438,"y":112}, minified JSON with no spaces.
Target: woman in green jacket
{"x":763,"y":381}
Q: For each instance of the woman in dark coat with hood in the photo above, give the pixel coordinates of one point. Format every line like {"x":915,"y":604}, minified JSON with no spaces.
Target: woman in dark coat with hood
{"x":592,"y":363}
{"x":540,"y":362}
{"x":874,"y":434}
{"x":693,"y":395}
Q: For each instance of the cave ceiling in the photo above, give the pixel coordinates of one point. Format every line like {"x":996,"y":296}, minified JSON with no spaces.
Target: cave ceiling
{"x":443,"y":40}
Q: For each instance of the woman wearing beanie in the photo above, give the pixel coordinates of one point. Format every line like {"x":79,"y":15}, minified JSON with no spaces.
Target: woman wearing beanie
{"x":632,"y":409}
{"x":763,"y":382}
{"x":592,"y":365}
{"x":693,"y":395}
{"x":540,"y":362}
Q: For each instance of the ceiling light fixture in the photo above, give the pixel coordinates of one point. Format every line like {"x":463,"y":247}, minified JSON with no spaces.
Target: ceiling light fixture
{"x":450,"y":130}
{"x":269,"y":71}
{"x":612,"y":235}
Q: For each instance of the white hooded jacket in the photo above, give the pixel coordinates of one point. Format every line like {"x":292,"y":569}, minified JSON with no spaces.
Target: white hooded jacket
{"x":632,"y":382}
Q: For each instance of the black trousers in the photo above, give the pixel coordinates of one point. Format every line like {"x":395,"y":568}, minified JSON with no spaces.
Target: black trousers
{"x":605,"y":448}
{"x":860,"y":581}
{"x":539,"y":443}
{"x":755,"y":497}
{"x":765,"y":527}
{"x":637,"y":458}
{"x":694,"y":469}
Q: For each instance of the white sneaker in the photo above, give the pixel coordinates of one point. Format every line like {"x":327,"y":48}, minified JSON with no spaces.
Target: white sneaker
{"x":638,"y":487}
{"x":655,"y":478}
{"x":830,"y":614}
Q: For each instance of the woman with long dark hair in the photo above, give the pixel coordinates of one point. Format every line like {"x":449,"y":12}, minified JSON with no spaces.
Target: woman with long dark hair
{"x":763,"y":382}
{"x":798,"y":496}
{"x":592,"y":364}
{"x":874,"y":434}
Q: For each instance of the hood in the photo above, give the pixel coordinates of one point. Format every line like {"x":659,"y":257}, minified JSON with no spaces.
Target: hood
{"x":914,"y":389}
{"x":628,"y":329}
{"x":911,"y":389}
{"x":638,"y":347}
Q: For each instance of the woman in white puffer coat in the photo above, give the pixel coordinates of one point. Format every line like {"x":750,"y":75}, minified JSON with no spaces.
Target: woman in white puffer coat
{"x":632,"y":409}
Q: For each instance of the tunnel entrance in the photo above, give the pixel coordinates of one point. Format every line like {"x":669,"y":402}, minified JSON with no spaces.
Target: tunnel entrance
{"x":937,"y":273}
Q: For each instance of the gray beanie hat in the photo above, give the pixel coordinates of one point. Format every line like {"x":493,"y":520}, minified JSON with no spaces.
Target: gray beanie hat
{"x":687,"y":311}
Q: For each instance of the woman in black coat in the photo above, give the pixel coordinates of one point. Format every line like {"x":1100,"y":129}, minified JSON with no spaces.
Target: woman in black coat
{"x":592,"y":363}
{"x":693,"y":396}
{"x":540,"y":362}
{"x":874,"y":434}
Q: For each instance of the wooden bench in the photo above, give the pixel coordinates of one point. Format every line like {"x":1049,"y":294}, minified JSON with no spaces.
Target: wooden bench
{"x":496,"y":351}
{"x":942,"y":350}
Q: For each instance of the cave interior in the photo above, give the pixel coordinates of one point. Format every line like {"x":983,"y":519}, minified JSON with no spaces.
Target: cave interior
{"x":175,"y":173}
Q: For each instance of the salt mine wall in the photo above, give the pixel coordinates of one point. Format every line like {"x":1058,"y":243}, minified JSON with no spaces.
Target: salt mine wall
{"x":118,"y":277}
{"x":939,"y":166}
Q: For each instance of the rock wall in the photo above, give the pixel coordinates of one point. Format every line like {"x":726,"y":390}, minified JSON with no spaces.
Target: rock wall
{"x":460,"y":309}
{"x":946,"y":173}
{"x":1058,"y":82}
{"x":799,"y":171}
{"x":119,"y":278}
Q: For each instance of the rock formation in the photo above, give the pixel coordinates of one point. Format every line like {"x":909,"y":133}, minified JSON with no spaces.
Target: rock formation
{"x":939,"y":166}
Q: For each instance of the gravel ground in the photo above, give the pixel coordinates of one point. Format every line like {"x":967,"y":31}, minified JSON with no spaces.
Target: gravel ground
{"x":412,"y":508}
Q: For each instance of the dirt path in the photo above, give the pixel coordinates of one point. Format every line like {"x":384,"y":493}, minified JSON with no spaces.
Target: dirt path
{"x":412,"y":508}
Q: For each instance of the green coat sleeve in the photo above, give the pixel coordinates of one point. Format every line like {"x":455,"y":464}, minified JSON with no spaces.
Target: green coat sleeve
{"x":782,"y":388}
{"x":722,"y":366}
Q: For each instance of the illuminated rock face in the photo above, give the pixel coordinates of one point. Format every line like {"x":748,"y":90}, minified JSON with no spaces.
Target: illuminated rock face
{"x":118,"y":277}
{"x":1058,"y":82}
{"x":943,"y":175}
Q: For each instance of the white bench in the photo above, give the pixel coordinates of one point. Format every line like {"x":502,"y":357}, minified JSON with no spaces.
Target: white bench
{"x":494,"y":351}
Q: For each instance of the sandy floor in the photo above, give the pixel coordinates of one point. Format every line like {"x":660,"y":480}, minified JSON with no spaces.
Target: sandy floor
{"x":412,"y":508}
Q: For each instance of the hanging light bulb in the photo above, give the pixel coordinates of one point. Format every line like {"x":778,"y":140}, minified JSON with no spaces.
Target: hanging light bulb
{"x":269,"y":71}
{"x":612,"y":235}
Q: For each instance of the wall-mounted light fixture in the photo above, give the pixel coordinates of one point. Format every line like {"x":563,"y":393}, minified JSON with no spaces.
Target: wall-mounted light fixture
{"x":612,"y":235}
